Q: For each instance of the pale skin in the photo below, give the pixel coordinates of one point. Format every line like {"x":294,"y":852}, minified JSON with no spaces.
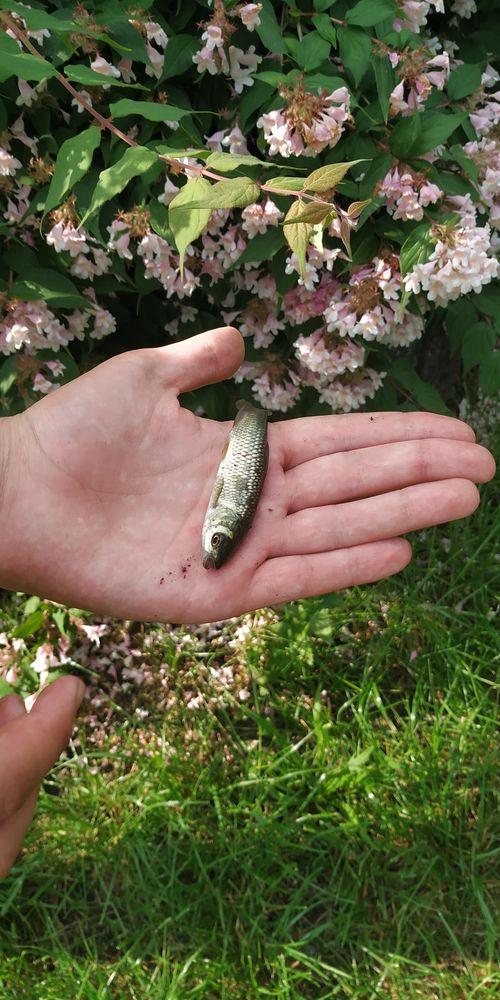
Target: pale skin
{"x":104,"y":489}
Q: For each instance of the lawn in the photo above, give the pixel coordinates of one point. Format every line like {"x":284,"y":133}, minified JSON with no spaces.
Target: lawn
{"x":297,"y":804}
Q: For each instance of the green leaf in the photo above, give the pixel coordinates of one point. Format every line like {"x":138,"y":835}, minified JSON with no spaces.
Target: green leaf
{"x":136,"y":160}
{"x":88,"y":77}
{"x":463,"y":81}
{"x":312,"y":51}
{"x":287,"y":183}
{"x":147,"y":109}
{"x":488,"y":301}
{"x":237,"y":192}
{"x":13,"y":62}
{"x":262,"y":247}
{"x":179,"y":56}
{"x":355,"y":51}
{"x":313,"y":212}
{"x":460,"y":315}
{"x":426,"y":395}
{"x":405,"y":135}
{"x":8,"y":375}
{"x":30,"y":626}
{"x":73,"y":161}
{"x":51,"y":286}
{"x":377,"y":170}
{"x":477,"y":345}
{"x":417,"y":248}
{"x":323,"y":4}
{"x":323,"y":81}
{"x":385,"y":80}
{"x":369,"y":12}
{"x":271,"y":77}
{"x":325,"y":28}
{"x":269,"y":30}
{"x":251,"y":102}
{"x":297,"y":234}
{"x":489,"y":374}
{"x":436,"y":128}
{"x":327,"y":177}
{"x":186,"y":218}
{"x":225,"y":162}
{"x":5,"y":688}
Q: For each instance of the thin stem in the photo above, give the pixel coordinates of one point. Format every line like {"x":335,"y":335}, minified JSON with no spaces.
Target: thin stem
{"x":106,"y":123}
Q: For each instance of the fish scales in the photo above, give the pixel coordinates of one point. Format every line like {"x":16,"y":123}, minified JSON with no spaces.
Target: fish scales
{"x":245,"y":464}
{"x":238,"y":486}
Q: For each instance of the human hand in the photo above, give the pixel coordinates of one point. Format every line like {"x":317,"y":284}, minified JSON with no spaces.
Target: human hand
{"x":109,"y":478}
{"x":29,"y":746}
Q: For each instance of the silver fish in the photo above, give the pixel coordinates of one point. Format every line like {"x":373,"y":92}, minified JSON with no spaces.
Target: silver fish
{"x":237,"y":487}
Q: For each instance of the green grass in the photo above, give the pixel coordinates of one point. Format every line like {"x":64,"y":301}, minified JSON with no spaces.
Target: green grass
{"x":334,"y":835}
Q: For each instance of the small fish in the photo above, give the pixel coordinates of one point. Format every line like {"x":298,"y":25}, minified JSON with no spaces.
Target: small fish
{"x":237,"y":487}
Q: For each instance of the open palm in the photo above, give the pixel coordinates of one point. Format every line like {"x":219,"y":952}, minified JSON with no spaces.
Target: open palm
{"x":112,"y":479}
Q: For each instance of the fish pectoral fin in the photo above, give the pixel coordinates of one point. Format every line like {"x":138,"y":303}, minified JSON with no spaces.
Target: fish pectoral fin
{"x":217,"y":490}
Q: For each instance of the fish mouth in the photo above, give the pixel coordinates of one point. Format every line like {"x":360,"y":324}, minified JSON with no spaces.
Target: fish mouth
{"x":209,"y":561}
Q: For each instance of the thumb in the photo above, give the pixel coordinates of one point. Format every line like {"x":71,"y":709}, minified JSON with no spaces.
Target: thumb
{"x":206,"y":358}
{"x":30,"y":744}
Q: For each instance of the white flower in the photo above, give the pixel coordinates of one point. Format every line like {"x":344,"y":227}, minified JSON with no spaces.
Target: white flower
{"x":84,"y":94}
{"x":17,"y":131}
{"x":242,"y":64}
{"x":464,"y":8}
{"x":249,"y":14}
{"x":101,"y":65}
{"x":27,"y":94}
{"x":63,"y":237}
{"x":155,"y":33}
{"x":8,"y":163}
{"x":157,"y":60}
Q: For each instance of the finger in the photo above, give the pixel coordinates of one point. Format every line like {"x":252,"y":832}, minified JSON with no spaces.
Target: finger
{"x":367,"y":472}
{"x":288,"y":578}
{"x":209,"y":357}
{"x":30,"y":745}
{"x":13,"y":830}
{"x":309,"y":437}
{"x":11,"y":707}
{"x":320,"y":529}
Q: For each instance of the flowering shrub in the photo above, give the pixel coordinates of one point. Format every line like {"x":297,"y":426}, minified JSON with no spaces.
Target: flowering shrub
{"x":323,"y":175}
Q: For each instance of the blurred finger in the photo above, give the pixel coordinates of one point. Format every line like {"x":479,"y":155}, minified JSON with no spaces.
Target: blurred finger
{"x":310,"y":437}
{"x":13,"y":830}
{"x":320,"y":529}
{"x":30,"y":745}
{"x":11,"y":707}
{"x":353,"y":474}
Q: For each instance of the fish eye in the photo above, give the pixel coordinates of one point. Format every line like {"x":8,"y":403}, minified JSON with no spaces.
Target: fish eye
{"x":215,"y":540}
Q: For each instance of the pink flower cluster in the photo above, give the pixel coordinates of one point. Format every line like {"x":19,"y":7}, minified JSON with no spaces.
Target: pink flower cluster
{"x":414,"y":14}
{"x":408,"y":193}
{"x":161,"y":262}
{"x":485,"y":115}
{"x":274,"y":387}
{"x":412,"y":91}
{"x":257,"y":217}
{"x":369,"y":307}
{"x":460,"y":263}
{"x":212,"y":58}
{"x":32,"y":326}
{"x":486,"y":156}
{"x":307,"y":123}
